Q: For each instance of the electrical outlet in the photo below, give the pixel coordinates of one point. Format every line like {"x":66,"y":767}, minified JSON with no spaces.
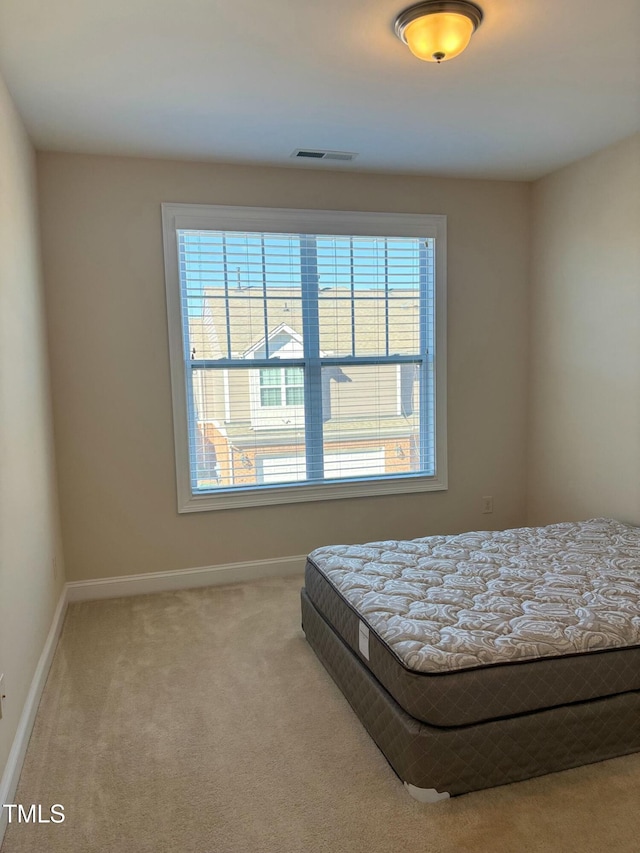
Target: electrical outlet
{"x":487,"y":504}
{"x":2,"y":696}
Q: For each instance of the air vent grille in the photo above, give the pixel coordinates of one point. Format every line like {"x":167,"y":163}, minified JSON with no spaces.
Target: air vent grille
{"x":314,"y":154}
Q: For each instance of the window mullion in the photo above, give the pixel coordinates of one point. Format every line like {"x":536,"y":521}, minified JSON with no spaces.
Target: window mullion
{"x":353,"y":301}
{"x":313,"y":369}
{"x":386,"y":296}
{"x":227,"y":306}
{"x":425,"y":456}
{"x":265,"y":299}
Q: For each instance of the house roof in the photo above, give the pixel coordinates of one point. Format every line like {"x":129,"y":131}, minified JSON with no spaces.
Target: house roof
{"x":341,"y":327}
{"x":243,"y":434}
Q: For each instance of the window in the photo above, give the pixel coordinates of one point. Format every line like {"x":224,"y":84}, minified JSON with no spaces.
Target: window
{"x":282,"y":386}
{"x":307,"y":354}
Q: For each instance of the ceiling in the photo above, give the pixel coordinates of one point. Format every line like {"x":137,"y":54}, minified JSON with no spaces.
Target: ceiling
{"x":542,"y":83}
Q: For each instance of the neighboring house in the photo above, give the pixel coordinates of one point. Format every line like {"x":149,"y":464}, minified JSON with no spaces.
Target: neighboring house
{"x":250,"y":423}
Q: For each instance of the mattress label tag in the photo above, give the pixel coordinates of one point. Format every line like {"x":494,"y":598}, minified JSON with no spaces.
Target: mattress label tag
{"x":363,"y":640}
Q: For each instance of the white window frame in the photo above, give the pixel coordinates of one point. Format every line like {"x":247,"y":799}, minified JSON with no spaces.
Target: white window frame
{"x":176,"y":217}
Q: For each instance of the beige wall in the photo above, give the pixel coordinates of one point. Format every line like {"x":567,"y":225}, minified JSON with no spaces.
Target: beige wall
{"x":584,"y":439}
{"x":28,"y":504}
{"x":107,"y":320}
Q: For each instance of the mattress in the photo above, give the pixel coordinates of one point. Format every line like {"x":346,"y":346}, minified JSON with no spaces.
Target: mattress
{"x":489,"y":625}
{"x":468,"y":758}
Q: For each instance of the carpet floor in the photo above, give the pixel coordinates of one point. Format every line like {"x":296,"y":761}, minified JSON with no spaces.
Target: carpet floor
{"x":201,"y":722}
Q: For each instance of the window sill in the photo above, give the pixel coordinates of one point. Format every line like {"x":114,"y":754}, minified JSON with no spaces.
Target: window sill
{"x":296,"y":493}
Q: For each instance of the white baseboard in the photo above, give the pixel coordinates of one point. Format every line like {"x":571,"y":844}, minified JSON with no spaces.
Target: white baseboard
{"x":13,"y":768}
{"x":184,"y":578}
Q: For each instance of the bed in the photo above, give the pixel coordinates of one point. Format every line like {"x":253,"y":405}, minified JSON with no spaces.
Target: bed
{"x":487,"y":657}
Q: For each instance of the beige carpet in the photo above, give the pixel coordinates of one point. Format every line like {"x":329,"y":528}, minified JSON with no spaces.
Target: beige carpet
{"x":201,"y":722}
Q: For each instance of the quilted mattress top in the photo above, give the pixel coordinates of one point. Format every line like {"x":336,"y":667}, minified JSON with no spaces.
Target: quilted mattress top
{"x":448,"y":603}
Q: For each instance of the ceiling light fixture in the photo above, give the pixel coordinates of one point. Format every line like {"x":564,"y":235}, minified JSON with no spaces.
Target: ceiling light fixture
{"x":436,"y":31}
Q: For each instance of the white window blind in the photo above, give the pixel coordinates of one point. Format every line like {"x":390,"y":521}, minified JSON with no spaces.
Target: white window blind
{"x":308,"y":358}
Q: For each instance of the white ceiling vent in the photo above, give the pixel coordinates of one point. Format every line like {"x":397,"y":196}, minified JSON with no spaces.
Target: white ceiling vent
{"x":315,"y":154}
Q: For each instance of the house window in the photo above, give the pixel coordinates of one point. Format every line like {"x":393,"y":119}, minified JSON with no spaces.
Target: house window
{"x":282,"y":386}
{"x":307,"y":352}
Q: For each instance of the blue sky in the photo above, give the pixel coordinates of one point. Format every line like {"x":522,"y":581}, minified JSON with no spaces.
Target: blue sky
{"x":248,"y":259}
